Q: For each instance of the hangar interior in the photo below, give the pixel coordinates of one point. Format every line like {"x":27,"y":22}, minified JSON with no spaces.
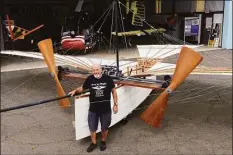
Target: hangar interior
{"x":196,"y":22}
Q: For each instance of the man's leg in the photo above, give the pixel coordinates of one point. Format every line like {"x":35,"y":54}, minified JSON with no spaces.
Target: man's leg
{"x":93,"y":125}
{"x":93,"y":137}
{"x":104,"y":135}
{"x":105,"y":120}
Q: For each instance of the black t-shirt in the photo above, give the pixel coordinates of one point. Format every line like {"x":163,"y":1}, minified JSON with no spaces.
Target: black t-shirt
{"x":100,"y":93}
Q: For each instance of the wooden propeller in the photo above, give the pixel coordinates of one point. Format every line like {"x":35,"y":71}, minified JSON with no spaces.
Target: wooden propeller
{"x":46,"y":49}
{"x":186,"y":63}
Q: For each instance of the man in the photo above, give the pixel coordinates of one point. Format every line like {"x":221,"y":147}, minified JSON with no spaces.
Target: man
{"x":101,"y":86}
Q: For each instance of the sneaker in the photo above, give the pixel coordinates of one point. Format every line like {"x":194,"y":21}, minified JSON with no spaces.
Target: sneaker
{"x":102,"y":145}
{"x":91,"y":147}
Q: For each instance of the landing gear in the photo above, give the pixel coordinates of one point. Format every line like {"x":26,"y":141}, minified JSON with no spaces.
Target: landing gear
{"x":124,"y":121}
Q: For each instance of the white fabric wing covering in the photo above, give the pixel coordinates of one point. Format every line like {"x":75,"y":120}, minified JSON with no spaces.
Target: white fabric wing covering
{"x":74,"y":61}
{"x":160,"y":51}
{"x":162,"y":66}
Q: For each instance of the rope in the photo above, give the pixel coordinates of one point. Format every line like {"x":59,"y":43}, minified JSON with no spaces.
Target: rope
{"x":101,"y":16}
{"x":123,"y":28}
{"x":113,"y":10}
{"x":23,"y":83}
{"x":104,"y":19}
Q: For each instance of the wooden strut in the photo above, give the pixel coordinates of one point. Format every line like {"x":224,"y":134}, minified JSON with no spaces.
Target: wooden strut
{"x":9,"y":24}
{"x":28,"y":31}
{"x":120,"y":82}
{"x":83,"y":77}
{"x":138,"y":84}
{"x":142,"y":65}
{"x":38,"y":27}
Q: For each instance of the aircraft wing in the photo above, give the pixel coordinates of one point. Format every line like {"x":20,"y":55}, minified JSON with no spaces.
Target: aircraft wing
{"x":168,"y":69}
{"x":161,"y":51}
{"x":139,"y":32}
{"x":81,"y":63}
{"x":59,"y":59}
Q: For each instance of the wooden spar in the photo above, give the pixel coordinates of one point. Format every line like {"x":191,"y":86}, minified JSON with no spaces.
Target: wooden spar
{"x":38,"y":27}
{"x":140,"y":84}
{"x":141,"y":75}
{"x":139,"y":32}
{"x":27,"y":31}
{"x":74,"y":76}
{"x":121,"y":82}
{"x":83,"y":77}
{"x":10,"y":29}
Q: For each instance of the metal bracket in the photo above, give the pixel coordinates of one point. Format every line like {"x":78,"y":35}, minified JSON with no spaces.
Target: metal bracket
{"x":52,"y":75}
{"x":168,"y":90}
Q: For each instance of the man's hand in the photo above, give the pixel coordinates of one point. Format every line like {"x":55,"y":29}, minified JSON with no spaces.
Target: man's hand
{"x":72,"y":92}
{"x":78,"y":90}
{"x":115,"y":108}
{"x":114,"y":94}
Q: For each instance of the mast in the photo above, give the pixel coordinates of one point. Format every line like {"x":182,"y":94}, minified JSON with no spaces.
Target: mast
{"x":116,"y":27}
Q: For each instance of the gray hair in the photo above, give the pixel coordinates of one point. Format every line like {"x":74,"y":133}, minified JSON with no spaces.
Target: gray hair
{"x":97,"y":66}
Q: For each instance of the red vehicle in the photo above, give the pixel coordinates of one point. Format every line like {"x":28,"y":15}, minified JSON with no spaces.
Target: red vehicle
{"x":77,"y":35}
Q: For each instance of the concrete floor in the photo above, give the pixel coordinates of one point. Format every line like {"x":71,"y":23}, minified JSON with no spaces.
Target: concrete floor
{"x":198,"y":119}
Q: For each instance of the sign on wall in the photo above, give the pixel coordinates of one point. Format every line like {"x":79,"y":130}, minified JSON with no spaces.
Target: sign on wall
{"x":191,"y":26}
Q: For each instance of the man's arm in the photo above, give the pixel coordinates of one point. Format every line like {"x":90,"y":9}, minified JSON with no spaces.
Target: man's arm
{"x":115,"y":98}
{"x":83,"y":87}
{"x":79,"y":89}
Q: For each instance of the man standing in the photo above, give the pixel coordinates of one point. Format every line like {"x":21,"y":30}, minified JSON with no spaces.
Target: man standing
{"x":101,"y":86}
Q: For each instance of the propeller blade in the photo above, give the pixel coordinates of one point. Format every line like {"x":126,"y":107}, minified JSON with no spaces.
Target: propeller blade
{"x":155,"y":111}
{"x":46,"y":49}
{"x":186,"y":63}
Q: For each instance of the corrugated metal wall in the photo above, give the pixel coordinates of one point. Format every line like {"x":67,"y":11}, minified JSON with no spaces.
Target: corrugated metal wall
{"x":182,"y":6}
{"x":187,"y":6}
{"x":214,"y":5}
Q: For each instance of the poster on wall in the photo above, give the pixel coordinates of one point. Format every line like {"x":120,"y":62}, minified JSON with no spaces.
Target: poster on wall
{"x":191,"y":26}
{"x":208,"y":23}
{"x":214,"y":38}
